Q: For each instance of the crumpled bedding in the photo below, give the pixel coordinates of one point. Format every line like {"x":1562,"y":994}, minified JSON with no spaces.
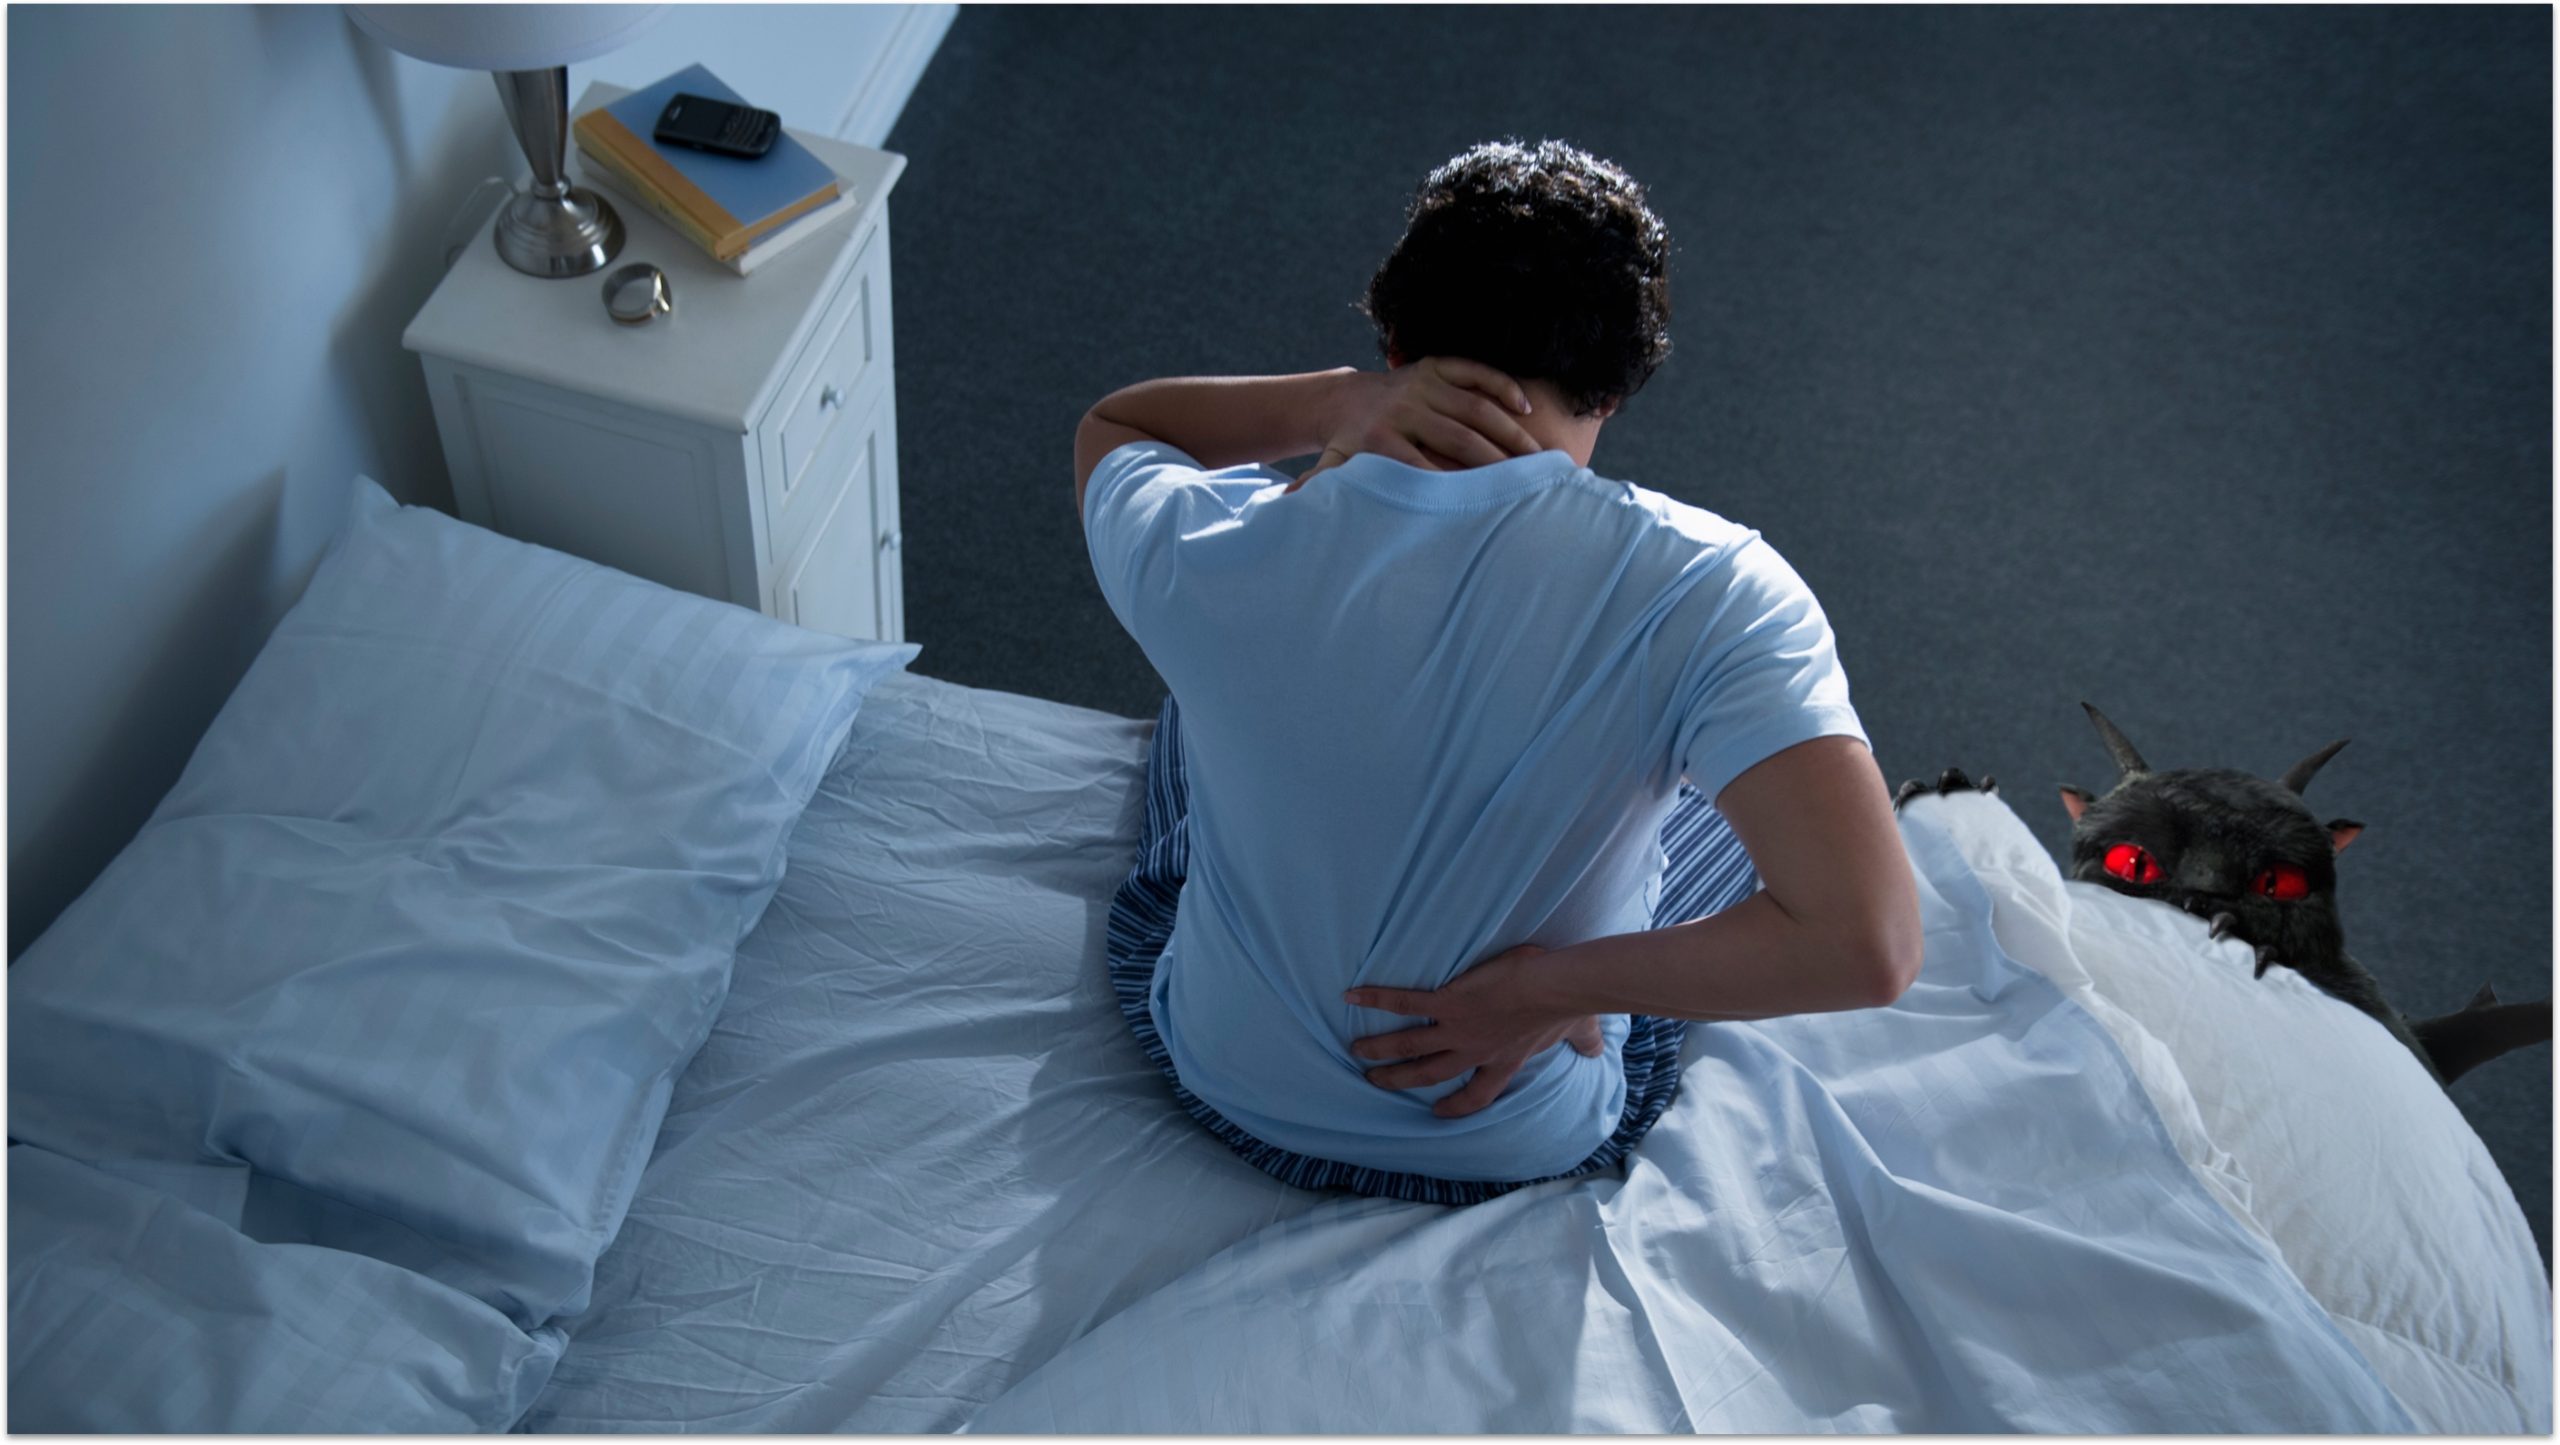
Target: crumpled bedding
{"x":921,"y":1178}
{"x":920,"y":1152}
{"x":1957,"y":1214}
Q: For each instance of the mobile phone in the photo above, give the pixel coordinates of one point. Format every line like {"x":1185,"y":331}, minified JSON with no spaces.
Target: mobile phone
{"x":717,"y":126}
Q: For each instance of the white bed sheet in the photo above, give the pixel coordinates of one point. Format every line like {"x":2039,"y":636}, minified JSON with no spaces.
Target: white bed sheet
{"x":921,"y":1158}
{"x":920,"y":1152}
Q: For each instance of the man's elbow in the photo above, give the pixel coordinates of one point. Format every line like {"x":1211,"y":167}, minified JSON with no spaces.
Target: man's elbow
{"x":1089,"y":452}
{"x":1098,"y":436}
{"x":1890,"y":955}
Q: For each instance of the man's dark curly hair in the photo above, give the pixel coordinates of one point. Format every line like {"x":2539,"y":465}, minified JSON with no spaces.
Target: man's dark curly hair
{"x":1542,"y":261}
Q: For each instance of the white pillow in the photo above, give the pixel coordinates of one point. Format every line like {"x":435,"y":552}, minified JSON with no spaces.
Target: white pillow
{"x":447,"y":896}
{"x":131,"y":1312}
{"x":2309,"y":1121}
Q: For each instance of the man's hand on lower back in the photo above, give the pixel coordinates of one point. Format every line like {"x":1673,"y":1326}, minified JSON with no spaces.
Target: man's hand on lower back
{"x":1481,"y":1020}
{"x":1440,"y":412}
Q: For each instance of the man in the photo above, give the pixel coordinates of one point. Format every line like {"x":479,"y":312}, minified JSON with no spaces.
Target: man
{"x":1438,"y":695}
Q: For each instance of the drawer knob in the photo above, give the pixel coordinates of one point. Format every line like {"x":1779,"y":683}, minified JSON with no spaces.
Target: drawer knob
{"x":830,"y":399}
{"x":892,"y":541}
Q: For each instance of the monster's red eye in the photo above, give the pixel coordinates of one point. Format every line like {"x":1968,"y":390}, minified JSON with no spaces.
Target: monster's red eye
{"x":2133,"y":863}
{"x":2283,"y":880}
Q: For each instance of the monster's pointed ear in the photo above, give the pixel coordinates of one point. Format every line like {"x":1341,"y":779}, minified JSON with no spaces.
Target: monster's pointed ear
{"x":2075,"y":802}
{"x":2342,"y":831}
{"x":2127,"y":760}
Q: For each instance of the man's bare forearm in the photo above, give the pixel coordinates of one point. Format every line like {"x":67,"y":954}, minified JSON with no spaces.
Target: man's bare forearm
{"x":1226,"y":421}
{"x":1751,"y":961}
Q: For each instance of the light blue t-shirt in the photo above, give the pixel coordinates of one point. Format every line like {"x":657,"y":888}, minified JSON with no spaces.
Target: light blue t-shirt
{"x":1427,"y":717}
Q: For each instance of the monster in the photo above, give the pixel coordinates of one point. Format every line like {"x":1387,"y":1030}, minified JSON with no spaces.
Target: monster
{"x":2250,"y":858}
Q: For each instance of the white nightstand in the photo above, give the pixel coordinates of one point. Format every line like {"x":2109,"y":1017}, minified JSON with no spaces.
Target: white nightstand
{"x":744,"y":446}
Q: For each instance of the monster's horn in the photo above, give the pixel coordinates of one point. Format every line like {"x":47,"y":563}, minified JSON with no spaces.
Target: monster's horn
{"x":2126,"y":758}
{"x":2300,"y":777}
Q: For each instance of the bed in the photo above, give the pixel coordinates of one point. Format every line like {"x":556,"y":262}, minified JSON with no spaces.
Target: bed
{"x":911,"y":1173}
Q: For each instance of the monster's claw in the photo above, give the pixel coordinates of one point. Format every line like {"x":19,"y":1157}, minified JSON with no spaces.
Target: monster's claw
{"x":2266,"y":955}
{"x":1990,"y":784}
{"x":1952,"y":780}
{"x":2223,"y":923}
{"x":2487,"y":997}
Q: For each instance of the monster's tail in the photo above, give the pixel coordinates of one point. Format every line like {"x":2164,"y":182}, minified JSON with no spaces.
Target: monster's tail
{"x":2482,"y":1030}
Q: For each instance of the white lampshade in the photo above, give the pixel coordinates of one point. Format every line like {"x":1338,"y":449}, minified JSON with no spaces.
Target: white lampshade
{"x":504,"y":37}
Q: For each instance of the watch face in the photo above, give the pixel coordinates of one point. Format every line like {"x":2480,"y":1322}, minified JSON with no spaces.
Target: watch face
{"x":636,"y":294}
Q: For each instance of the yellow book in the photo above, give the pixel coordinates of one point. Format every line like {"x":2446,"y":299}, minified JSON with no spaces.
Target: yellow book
{"x":601,"y":133}
{"x":621,"y":187}
{"x":646,"y":196}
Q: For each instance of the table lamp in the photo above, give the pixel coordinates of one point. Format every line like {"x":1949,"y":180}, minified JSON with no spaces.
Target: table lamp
{"x":554,"y":229}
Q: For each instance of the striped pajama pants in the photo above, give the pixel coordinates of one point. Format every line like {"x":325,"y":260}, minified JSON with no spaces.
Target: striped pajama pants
{"x":1708,"y":872}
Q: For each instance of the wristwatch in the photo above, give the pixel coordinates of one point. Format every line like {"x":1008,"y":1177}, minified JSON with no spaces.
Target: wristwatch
{"x":638,"y":294}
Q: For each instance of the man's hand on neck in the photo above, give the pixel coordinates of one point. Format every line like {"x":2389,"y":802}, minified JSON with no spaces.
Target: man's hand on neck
{"x":1550,"y":419}
{"x":1443,"y":413}
{"x":1555,"y":426}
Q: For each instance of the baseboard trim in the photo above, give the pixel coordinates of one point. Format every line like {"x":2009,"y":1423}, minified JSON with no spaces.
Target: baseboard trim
{"x":883,"y":93}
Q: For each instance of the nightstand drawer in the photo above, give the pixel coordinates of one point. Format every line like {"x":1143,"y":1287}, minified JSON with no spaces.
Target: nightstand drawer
{"x":820,"y":398}
{"x":849,"y":460}
{"x":831,"y":585}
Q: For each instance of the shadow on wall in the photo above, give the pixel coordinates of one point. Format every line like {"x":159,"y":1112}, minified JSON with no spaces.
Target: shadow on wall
{"x":382,"y":90}
{"x":187,"y":677}
{"x":308,"y":223}
{"x":377,"y":379}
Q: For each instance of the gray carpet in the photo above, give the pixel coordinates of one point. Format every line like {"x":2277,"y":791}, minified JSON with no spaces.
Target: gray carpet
{"x":2196,"y":363}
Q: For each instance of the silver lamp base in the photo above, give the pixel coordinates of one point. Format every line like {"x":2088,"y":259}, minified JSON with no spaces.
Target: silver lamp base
{"x":553,"y":229}
{"x":571,"y":235}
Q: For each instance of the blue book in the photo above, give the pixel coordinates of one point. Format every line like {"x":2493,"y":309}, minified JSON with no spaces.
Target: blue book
{"x":733,"y":199}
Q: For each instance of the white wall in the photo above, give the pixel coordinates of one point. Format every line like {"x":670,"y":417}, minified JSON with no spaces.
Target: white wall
{"x":220,"y":220}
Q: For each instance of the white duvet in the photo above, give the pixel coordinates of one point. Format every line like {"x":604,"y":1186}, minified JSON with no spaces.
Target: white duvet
{"x":922,"y":1179}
